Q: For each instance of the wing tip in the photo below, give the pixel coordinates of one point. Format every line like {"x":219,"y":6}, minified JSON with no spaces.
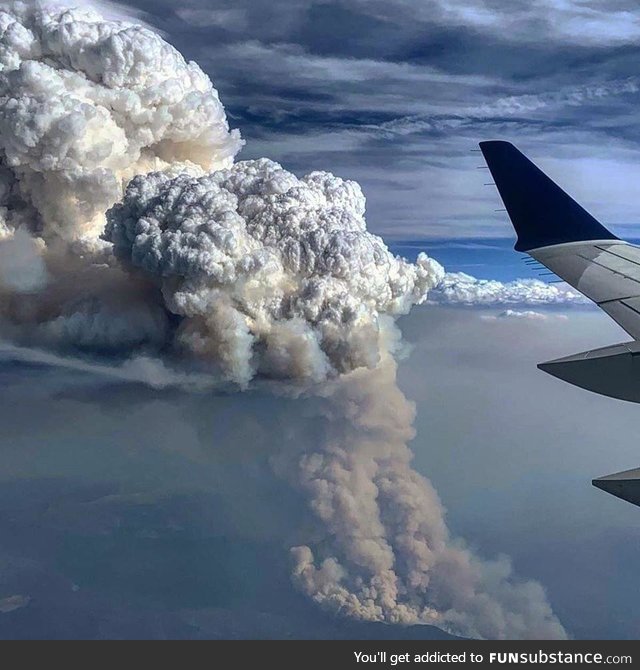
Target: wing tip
{"x":488,"y":144}
{"x":542,"y":214}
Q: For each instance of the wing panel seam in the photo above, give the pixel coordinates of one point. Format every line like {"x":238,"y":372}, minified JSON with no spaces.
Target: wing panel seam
{"x":628,"y":297}
{"x":633,"y":309}
{"x":624,"y":258}
{"x":604,"y":267}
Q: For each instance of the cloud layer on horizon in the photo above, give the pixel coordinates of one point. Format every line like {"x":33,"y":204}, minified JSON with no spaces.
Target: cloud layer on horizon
{"x":459,"y":288}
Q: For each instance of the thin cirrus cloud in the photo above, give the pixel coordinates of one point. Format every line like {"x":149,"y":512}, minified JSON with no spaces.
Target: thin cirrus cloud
{"x":598,"y":22}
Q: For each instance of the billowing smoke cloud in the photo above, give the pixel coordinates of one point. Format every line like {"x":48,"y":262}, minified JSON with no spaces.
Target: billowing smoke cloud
{"x":21,"y":266}
{"x":85,"y":105}
{"x":232,"y":271}
{"x":272,"y":274}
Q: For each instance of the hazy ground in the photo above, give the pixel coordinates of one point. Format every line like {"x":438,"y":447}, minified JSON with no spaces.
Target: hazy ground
{"x":129,"y":512}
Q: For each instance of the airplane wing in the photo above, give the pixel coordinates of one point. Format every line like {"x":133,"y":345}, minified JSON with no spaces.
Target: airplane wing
{"x":625,"y":485}
{"x":556,"y":231}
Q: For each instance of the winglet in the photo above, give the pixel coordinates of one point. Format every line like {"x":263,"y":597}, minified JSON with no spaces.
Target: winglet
{"x":540,"y":211}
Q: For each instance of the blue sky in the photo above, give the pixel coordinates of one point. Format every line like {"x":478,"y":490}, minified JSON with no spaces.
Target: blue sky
{"x":396,"y":94}
{"x":482,"y":257}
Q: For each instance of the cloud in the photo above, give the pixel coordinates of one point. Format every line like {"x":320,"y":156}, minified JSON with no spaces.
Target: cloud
{"x":88,"y":109}
{"x":228,"y":18}
{"x":558,"y":79}
{"x":528,"y":314}
{"x":109,"y":9}
{"x":272,"y":274}
{"x":458,"y":288}
{"x":570,"y":21}
{"x":22,"y":268}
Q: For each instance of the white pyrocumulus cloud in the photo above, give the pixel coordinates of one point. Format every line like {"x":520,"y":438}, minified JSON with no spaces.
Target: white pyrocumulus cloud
{"x":273,"y":274}
{"x":231,"y":271}
{"x":86,"y":104}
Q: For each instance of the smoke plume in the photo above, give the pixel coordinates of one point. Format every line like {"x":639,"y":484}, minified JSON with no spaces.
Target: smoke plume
{"x":271,"y":274}
{"x":86,"y":105}
{"x":138,"y":237}
{"x":386,"y":553}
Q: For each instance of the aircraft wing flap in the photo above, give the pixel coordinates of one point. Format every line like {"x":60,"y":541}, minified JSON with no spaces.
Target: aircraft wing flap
{"x":613,"y":260}
{"x":624,"y":315}
{"x":593,"y":269}
{"x":627,"y":251}
{"x":633,"y":304}
{"x":608,"y":274}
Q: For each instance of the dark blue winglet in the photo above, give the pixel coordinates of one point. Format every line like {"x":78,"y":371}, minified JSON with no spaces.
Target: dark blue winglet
{"x":540,"y":211}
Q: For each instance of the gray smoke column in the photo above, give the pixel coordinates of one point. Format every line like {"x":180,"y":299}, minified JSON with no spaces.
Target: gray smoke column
{"x":145,"y":241}
{"x":382,"y":550}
